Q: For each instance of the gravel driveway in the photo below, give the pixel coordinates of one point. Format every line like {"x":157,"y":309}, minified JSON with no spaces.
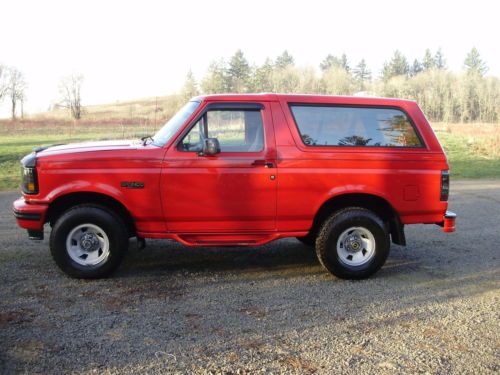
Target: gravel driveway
{"x":434,"y":308}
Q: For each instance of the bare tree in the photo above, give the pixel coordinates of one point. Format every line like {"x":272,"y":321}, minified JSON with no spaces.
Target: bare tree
{"x":3,"y":82}
{"x":70,"y":90}
{"x":23,"y":100}
{"x":16,"y":87}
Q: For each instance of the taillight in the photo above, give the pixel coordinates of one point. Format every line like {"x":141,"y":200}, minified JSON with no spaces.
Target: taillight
{"x":445,"y":185}
{"x":29,"y":181}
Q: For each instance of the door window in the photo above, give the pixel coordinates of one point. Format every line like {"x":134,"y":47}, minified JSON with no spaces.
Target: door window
{"x":236,"y":130}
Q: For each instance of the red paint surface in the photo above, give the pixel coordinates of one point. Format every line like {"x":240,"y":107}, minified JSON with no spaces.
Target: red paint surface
{"x":225,"y":199}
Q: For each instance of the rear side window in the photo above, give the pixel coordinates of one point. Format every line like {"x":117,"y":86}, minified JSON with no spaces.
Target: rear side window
{"x":354,"y":126}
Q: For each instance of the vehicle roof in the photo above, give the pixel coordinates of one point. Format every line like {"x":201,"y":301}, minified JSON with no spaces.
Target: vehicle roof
{"x":303,"y":98}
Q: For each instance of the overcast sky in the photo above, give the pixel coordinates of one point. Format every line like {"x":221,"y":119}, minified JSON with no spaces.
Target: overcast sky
{"x":134,"y":49}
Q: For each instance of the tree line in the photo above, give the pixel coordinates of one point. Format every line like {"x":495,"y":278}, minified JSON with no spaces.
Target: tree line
{"x":466,"y":96}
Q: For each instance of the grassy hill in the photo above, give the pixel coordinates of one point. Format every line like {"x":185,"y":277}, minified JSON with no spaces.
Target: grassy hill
{"x":120,"y":120}
{"x":140,"y":108}
{"x":473,"y":149}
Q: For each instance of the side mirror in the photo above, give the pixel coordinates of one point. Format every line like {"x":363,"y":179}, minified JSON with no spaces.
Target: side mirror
{"x":211,"y":147}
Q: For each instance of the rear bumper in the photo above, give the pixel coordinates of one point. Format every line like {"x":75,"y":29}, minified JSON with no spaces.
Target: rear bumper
{"x":448,"y":222}
{"x":29,"y":216}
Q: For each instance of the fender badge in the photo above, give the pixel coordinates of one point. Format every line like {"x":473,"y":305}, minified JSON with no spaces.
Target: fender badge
{"x":132,"y":184}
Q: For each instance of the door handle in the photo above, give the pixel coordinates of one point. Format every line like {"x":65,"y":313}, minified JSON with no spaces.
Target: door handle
{"x":263,"y":163}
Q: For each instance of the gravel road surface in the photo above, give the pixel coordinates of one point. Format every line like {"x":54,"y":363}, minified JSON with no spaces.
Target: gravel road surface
{"x":433,"y":309}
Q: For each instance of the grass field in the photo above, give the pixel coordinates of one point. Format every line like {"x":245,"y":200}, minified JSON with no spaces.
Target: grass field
{"x":473,"y":149}
{"x":123,"y":120}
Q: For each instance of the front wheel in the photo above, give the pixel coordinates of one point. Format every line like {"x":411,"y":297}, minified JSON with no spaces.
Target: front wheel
{"x":353,"y":243}
{"x":88,"y":242}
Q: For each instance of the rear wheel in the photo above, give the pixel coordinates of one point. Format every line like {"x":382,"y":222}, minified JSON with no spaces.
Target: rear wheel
{"x":88,"y":241}
{"x":353,"y":243}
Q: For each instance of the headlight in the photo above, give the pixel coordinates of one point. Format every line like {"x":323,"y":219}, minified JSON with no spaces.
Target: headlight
{"x":29,"y":181}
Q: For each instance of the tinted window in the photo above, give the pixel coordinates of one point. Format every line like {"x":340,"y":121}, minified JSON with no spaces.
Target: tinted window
{"x":354,"y":126}
{"x":237,"y":131}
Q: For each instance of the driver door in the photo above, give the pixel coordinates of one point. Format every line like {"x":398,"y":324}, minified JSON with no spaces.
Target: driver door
{"x":233,"y":191}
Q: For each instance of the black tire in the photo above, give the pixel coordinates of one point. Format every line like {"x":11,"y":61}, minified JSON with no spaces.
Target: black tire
{"x":339,"y":223}
{"x":309,"y":240}
{"x":105,"y":219}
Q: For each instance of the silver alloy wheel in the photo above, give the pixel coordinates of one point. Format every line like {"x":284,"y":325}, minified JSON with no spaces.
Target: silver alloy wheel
{"x":88,"y":245}
{"x":356,"y":246}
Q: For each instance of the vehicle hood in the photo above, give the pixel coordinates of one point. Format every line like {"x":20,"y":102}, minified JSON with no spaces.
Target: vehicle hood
{"x":72,"y":148}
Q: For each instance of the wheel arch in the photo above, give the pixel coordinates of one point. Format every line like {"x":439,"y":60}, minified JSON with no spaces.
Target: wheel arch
{"x":63,"y":202}
{"x":372,"y":202}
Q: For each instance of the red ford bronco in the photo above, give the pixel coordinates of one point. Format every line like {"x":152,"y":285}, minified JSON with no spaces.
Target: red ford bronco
{"x":341,"y":174}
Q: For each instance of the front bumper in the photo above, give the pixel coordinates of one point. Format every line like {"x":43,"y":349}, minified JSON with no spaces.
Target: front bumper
{"x":30,"y":216}
{"x":448,"y":222}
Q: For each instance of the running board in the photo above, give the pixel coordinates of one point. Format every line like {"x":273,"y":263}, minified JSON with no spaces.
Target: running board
{"x":226,"y":239}
{"x":223,"y":239}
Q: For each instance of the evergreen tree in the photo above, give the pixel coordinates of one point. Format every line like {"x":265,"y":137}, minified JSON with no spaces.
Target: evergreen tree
{"x":344,"y":63}
{"x":262,"y":78}
{"x":329,"y":62}
{"x":362,"y":74}
{"x":439,"y":60}
{"x":415,"y":68}
{"x":397,"y":66}
{"x":284,"y":60}
{"x":238,"y":73}
{"x":428,"y":61}
{"x":474,"y":64}
{"x":190,"y":88}
{"x":332,"y":61}
{"x":216,"y":80}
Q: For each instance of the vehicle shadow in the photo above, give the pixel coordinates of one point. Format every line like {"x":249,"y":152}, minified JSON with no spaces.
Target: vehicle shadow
{"x":165,"y":255}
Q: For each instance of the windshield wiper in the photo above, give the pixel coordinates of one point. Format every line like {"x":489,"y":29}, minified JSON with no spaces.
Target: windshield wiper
{"x":145,"y":140}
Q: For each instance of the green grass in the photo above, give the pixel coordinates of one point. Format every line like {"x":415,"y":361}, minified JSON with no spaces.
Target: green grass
{"x":13,"y":148}
{"x":467,"y":160}
{"x":121,"y":120}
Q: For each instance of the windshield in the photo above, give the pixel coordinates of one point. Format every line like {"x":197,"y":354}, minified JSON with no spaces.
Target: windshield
{"x":172,"y":126}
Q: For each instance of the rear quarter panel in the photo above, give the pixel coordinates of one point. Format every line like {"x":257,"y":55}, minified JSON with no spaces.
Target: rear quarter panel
{"x":407,"y":178}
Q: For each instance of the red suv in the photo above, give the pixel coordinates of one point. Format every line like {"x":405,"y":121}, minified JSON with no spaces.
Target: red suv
{"x":341,"y":174}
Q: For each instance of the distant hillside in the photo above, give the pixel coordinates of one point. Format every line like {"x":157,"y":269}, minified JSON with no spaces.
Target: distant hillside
{"x":164,"y":106}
